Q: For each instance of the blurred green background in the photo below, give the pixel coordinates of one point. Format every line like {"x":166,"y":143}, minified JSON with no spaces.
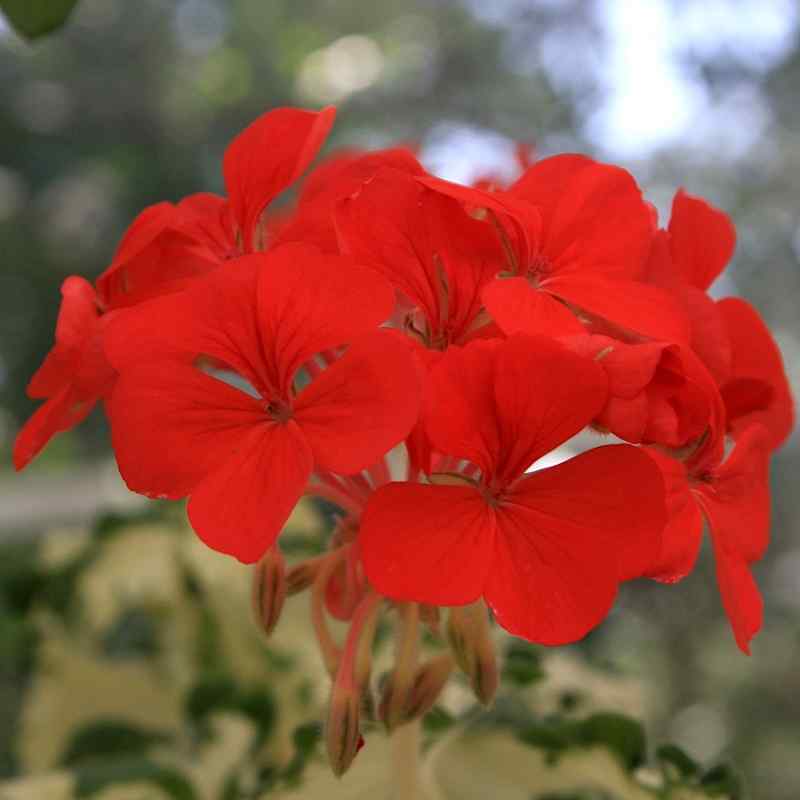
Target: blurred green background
{"x":133,"y":103}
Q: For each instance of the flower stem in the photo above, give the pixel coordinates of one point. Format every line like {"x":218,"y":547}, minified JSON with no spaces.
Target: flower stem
{"x":405,"y":752}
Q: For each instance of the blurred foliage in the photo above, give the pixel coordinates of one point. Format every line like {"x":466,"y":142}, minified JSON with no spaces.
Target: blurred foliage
{"x":133,"y":103}
{"x":203,"y":708}
{"x":34,"y":18}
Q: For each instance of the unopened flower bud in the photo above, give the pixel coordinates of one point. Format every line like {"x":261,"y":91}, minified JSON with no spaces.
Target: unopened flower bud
{"x":419,"y":697}
{"x":302,"y":575}
{"x":428,"y":684}
{"x":470,"y":641}
{"x":399,"y":682}
{"x":269,"y":589}
{"x":342,"y":732}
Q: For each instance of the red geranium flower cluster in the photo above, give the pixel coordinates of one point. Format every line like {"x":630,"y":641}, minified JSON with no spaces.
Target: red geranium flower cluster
{"x":409,"y":349}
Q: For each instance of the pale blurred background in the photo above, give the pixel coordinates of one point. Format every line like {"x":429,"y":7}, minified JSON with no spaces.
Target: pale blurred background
{"x":133,"y":103}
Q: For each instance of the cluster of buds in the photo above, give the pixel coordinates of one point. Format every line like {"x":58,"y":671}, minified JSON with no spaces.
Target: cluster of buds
{"x":408,"y":349}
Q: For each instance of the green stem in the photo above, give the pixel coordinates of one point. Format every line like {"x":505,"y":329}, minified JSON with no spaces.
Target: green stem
{"x":405,"y":751}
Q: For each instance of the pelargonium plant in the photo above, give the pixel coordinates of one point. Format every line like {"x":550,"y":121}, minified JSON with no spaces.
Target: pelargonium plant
{"x":408,"y":349}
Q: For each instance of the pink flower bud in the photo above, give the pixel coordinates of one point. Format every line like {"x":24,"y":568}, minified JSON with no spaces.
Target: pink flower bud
{"x":269,"y":589}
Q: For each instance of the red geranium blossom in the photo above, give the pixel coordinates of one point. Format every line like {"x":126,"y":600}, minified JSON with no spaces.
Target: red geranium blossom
{"x":545,"y":549}
{"x":576,"y":234}
{"x":74,"y":375}
{"x":244,"y":459}
{"x":168,"y":244}
{"x":757,"y":389}
{"x":684,"y":260}
{"x":158,"y":254}
{"x":733,"y":496}
{"x":333,"y":180}
{"x":436,"y":255}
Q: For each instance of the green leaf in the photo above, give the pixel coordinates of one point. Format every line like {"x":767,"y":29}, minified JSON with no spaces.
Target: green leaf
{"x":107,"y":739}
{"x":94,"y":778}
{"x":133,"y":634}
{"x":34,"y":18}
{"x":622,"y":735}
{"x":437,"y":720}
{"x":222,"y":693}
{"x":723,"y":780}
{"x":554,"y":735}
{"x":306,"y":739}
{"x":522,"y":665}
{"x":672,"y":756}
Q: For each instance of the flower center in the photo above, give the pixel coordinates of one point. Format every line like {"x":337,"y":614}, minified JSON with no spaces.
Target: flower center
{"x":279,"y":410}
{"x":538,"y":270}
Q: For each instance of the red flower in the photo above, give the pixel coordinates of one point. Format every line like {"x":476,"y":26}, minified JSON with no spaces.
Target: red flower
{"x":265,"y":158}
{"x":167,"y":245}
{"x":655,"y":394}
{"x":544,"y":549}
{"x":757,"y":390}
{"x":74,"y":375}
{"x":245,"y":457}
{"x":576,"y":232}
{"x":158,"y":254}
{"x":684,"y":260}
{"x":437,"y":256}
{"x":701,"y":239}
{"x":332,"y":181}
{"x":733,"y":496}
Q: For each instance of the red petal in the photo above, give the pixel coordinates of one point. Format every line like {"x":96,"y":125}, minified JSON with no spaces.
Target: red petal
{"x":426,"y":246}
{"x":242,"y":505}
{"x":172,"y":425}
{"x":701,"y":413}
{"x":673,"y":408}
{"x":684,"y":530}
{"x":167,"y":264}
{"x":544,"y":395}
{"x":362,"y":405}
{"x":383,"y":225}
{"x":459,"y":413}
{"x":74,"y":375}
{"x":629,"y":367}
{"x":563,"y":535}
{"x":209,"y":219}
{"x":343,"y":173}
{"x":633,"y":306}
{"x":518,"y":307}
{"x":755,"y":357}
{"x":627,"y":419}
{"x":64,"y":410}
{"x":736,"y":504}
{"x":428,"y":544}
{"x":267,"y":157}
{"x":483,"y":406}
{"x":519,"y":222}
{"x":740,"y":597}
{"x":702,"y":239}
{"x":148,"y":224}
{"x":710,"y":340}
{"x":736,"y":497}
{"x":593,"y":215}
{"x":78,"y":321}
{"x":216,"y":318}
{"x":334,"y":179}
{"x":309,"y":302}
